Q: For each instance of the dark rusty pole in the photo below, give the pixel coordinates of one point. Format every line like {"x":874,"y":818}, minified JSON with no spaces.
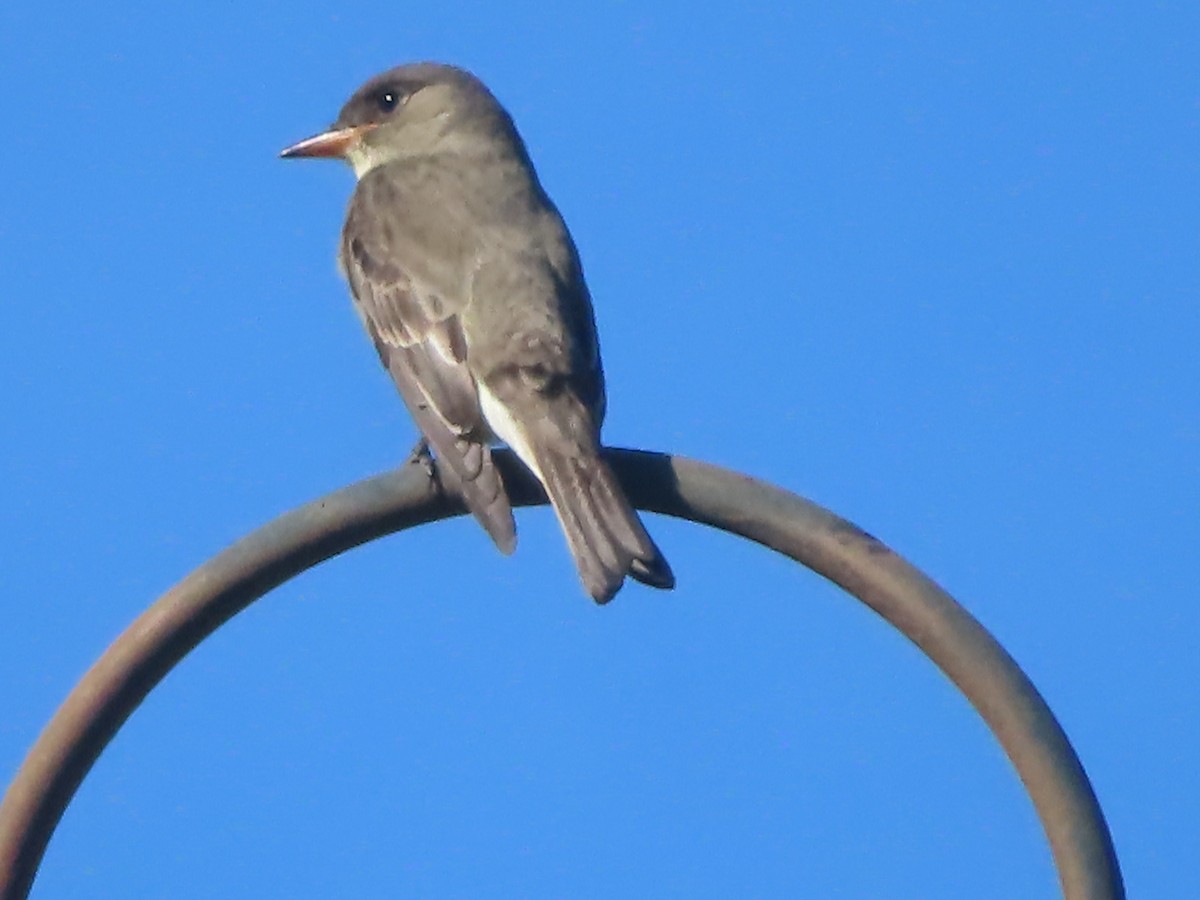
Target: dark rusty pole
{"x":232,"y":580}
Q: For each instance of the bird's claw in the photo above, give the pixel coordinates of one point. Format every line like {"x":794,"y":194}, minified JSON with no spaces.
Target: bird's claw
{"x":420,"y":456}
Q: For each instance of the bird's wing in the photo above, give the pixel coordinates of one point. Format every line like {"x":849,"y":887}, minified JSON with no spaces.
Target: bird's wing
{"x":402,"y":278}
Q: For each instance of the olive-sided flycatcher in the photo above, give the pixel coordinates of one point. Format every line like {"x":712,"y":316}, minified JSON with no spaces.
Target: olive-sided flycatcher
{"x":470,"y":286}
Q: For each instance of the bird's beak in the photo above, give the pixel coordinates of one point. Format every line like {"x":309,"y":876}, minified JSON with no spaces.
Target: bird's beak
{"x":328,"y":144}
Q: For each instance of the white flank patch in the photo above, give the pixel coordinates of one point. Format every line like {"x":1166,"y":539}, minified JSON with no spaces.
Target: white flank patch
{"x":501,"y":422}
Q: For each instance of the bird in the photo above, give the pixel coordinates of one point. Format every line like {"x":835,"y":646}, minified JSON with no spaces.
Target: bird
{"x":471,"y":288}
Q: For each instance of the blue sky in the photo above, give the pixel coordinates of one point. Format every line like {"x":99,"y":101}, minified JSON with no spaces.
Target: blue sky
{"x":934,"y":267}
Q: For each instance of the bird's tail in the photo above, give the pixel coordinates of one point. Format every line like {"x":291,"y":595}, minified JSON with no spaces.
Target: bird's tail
{"x":604,"y":533}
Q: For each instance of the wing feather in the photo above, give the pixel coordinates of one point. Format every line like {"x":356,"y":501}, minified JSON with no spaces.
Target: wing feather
{"x":415,"y":325}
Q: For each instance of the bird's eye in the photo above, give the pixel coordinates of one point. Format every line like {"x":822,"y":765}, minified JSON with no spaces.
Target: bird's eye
{"x":388,"y":100}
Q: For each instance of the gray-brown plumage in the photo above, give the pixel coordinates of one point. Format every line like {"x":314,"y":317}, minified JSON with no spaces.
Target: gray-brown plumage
{"x":470,"y":287}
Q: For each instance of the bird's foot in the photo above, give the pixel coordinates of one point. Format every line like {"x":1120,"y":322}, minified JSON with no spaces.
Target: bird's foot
{"x":420,"y":456}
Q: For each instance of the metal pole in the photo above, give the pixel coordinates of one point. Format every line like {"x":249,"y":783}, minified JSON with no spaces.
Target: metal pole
{"x":232,"y":580}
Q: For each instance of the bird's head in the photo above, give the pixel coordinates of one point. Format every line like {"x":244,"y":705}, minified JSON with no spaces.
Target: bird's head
{"x":413,"y":110}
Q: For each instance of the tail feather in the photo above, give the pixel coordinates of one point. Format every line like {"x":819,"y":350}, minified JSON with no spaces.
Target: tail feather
{"x":605,"y":535}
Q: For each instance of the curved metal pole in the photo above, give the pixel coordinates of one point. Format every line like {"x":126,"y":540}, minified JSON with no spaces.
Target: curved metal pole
{"x":298,"y":540}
